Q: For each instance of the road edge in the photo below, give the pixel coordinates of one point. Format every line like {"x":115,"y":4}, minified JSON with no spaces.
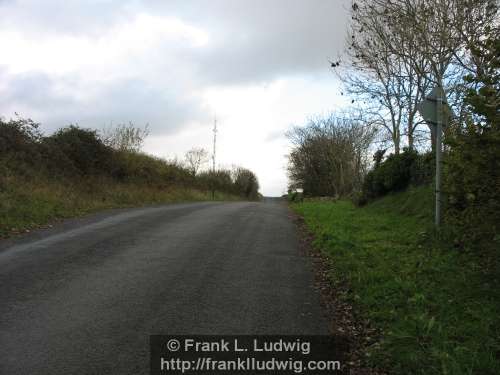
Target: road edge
{"x":342,"y":320}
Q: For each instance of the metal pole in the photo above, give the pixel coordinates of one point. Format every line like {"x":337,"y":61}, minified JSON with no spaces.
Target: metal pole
{"x":215,"y":141}
{"x":213,"y":158}
{"x":439,"y":150}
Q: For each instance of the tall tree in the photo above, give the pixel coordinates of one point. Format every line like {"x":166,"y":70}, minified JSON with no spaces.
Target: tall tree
{"x":398,"y":49}
{"x":384,"y":82}
{"x":329,"y":155}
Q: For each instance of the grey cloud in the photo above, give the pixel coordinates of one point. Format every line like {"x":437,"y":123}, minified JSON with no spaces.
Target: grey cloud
{"x":262,"y":40}
{"x":129,"y":100}
{"x":137,"y":101}
{"x":66,"y":17}
{"x":275,"y":136}
{"x":250,"y":42}
{"x":33,"y":89}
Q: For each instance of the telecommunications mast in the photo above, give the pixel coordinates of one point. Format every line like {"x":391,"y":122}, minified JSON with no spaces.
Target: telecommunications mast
{"x":213,"y":157}
{"x":215,"y":143}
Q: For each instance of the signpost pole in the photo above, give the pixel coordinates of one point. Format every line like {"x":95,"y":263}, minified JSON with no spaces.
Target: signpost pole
{"x":439,"y":149}
{"x":432,"y":109}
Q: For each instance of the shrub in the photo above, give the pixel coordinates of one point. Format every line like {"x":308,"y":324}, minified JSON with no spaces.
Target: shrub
{"x":296,"y":197}
{"x":87,"y":153}
{"x":75,"y":154}
{"x":216,"y":180}
{"x":396,"y":173}
{"x":245,"y":183}
{"x":423,"y":169}
{"x":472,"y":177}
{"x":19,"y":143}
{"x":472,"y":183}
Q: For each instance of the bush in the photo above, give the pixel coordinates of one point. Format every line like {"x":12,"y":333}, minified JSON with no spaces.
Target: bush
{"x":19,"y":143}
{"x":246,"y":184}
{"x":76,"y":154}
{"x":129,"y":166}
{"x":472,"y":184}
{"x":396,"y":173}
{"x":83,"y":148}
{"x":472,"y":177}
{"x":216,"y":180}
{"x":295,"y":197}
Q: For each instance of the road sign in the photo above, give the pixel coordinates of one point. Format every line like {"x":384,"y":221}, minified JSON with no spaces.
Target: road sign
{"x":431,"y":111}
{"x":437,"y":113}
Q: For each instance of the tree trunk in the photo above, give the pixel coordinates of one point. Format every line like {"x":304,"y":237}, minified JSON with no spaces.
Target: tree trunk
{"x":397,"y":143}
{"x":433,"y":138}
{"x":411,"y":129}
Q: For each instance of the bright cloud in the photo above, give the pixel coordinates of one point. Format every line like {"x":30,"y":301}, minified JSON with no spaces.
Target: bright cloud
{"x":259,"y":65}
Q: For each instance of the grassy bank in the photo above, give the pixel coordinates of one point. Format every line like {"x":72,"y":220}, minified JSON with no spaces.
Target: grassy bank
{"x":27,"y":204}
{"x":438,"y":311}
{"x":78,"y":170}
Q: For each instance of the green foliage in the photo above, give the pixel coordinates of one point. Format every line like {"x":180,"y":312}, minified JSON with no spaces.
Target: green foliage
{"x":472,"y":184}
{"x":246,"y":183}
{"x":472,"y":165}
{"x":19,"y":134}
{"x":328,"y":157}
{"x":73,"y":170}
{"x":484,"y":95}
{"x":396,"y":173}
{"x":138,"y":167}
{"x":216,"y":180}
{"x":27,"y":203}
{"x":241,"y":182}
{"x":296,"y":197}
{"x":77,"y":152}
{"x":436,"y":309}
{"x":19,"y":143}
{"x":82,"y":148}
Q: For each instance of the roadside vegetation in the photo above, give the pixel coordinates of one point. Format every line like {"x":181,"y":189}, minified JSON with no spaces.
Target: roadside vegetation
{"x":75,"y":171}
{"x":432,"y":294}
{"x":436,"y":308}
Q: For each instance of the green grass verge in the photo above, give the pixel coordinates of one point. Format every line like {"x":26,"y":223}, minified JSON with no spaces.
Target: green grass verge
{"x":437,"y":310}
{"x":27,"y":204}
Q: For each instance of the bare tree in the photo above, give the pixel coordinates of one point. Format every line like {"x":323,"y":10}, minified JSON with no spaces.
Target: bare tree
{"x":329,"y":155}
{"x":125,"y":137}
{"x":398,"y":49}
{"x":384,"y":83}
{"x":196,"y":158}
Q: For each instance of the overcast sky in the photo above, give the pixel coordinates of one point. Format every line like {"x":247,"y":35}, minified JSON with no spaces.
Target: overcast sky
{"x":260,"y":65}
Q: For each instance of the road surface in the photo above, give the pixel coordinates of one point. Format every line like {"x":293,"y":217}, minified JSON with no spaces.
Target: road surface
{"x":84,"y":296}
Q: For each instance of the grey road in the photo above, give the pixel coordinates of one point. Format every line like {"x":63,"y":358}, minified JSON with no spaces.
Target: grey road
{"x":84,"y":296}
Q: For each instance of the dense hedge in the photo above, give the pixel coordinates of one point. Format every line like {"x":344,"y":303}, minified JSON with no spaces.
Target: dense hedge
{"x":472,"y":184}
{"x":472,"y":168}
{"x":74,"y":152}
{"x":396,"y":173}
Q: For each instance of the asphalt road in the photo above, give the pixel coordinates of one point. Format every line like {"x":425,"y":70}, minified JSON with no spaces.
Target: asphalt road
{"x":84,"y":296}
